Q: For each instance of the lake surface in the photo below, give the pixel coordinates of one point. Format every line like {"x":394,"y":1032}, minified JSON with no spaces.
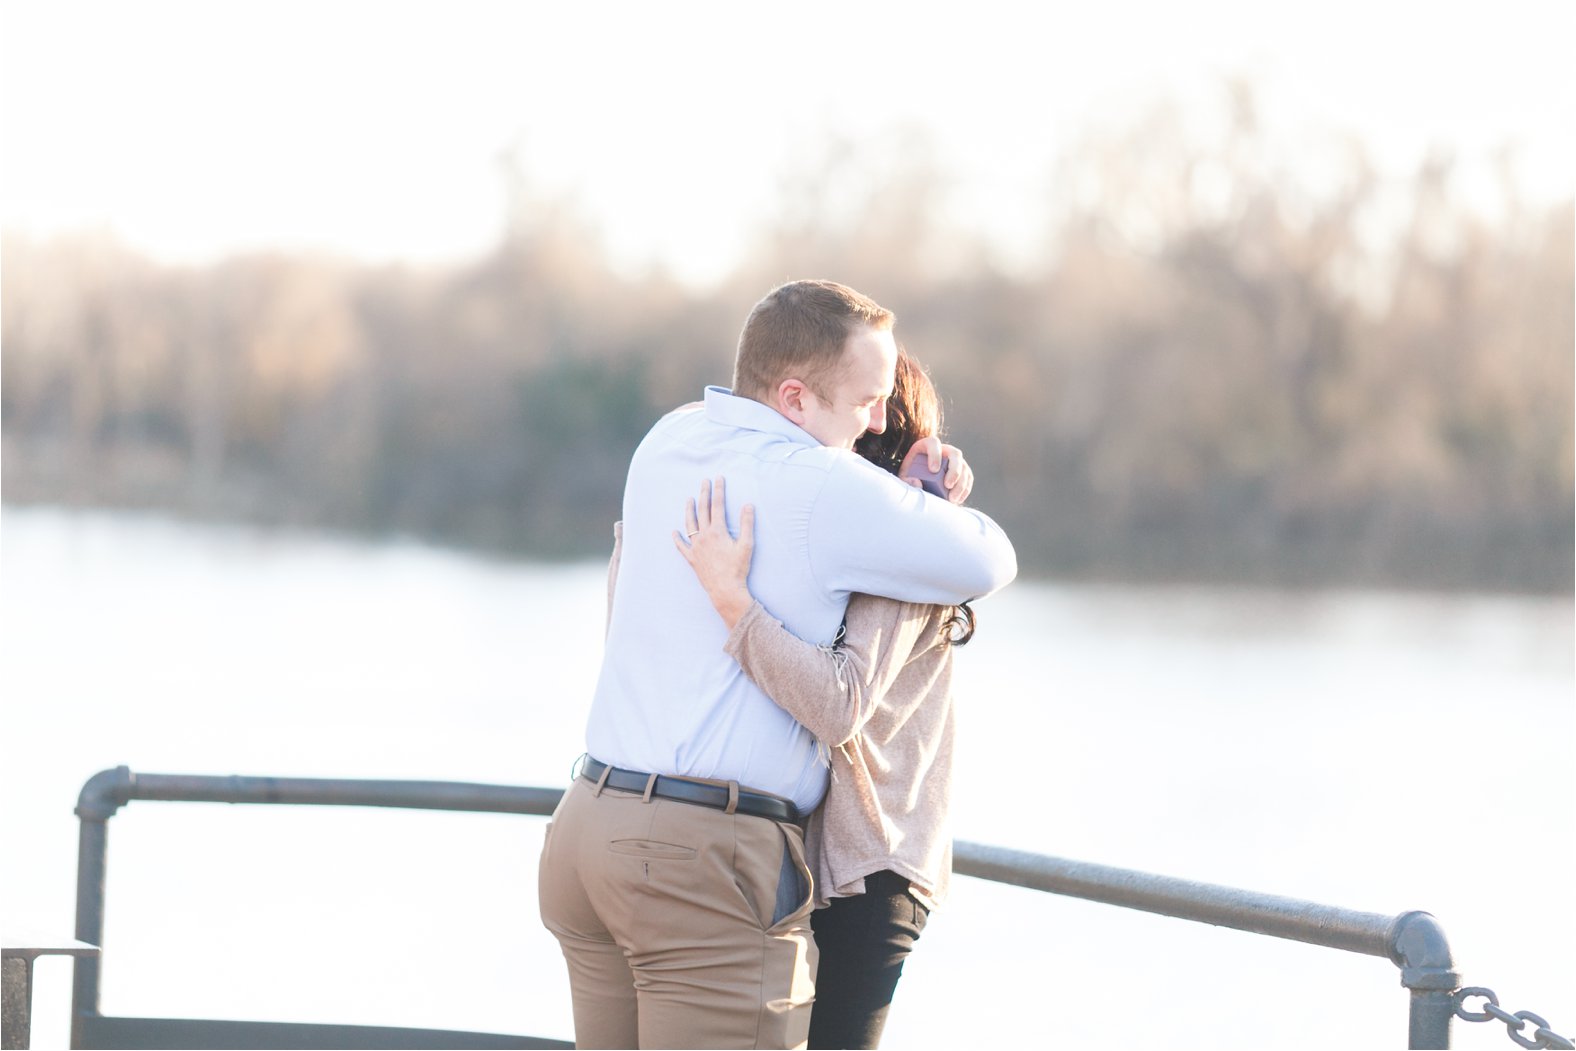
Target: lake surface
{"x":1374,"y":751}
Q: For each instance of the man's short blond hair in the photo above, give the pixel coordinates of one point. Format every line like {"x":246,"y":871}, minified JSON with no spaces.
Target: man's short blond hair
{"x":799,"y":330}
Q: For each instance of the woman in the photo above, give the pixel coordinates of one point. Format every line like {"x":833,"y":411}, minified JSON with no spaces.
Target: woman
{"x":880,"y":846}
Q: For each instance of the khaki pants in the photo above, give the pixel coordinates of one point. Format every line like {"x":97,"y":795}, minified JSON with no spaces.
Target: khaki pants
{"x":664,"y":911}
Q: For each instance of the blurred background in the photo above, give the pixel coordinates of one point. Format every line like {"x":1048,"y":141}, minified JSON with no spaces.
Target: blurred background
{"x":328,"y":330}
{"x":1221,"y":294}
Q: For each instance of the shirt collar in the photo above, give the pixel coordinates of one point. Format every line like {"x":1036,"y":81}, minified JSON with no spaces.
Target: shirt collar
{"x":731,"y":410}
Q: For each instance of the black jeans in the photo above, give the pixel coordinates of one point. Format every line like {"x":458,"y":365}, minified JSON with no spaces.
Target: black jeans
{"x":863,"y":942}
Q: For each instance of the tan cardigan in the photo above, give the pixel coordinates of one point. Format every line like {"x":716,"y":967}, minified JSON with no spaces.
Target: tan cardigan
{"x":881,"y":703}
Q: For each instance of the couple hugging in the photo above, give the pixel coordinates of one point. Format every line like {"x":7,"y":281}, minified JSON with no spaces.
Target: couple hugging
{"x":759,"y":825}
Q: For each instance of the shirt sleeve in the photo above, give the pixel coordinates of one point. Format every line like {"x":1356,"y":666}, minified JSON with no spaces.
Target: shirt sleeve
{"x":870,"y":533}
{"x":831,"y":690}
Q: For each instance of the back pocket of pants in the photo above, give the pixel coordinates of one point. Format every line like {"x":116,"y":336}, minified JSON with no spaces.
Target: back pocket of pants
{"x":650,"y":848}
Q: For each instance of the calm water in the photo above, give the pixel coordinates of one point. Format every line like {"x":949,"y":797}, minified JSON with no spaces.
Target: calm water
{"x":1376,"y":751}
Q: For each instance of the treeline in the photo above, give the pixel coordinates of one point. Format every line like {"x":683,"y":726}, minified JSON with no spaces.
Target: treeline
{"x":1208,"y":373}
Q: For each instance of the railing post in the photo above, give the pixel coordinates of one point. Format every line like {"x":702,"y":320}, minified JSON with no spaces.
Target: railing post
{"x":1419,"y":948}
{"x":104,"y":793}
{"x":16,"y":988}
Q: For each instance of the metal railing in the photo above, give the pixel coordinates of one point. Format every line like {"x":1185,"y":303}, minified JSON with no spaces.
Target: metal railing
{"x":1413,"y":941}
{"x":108,"y":791}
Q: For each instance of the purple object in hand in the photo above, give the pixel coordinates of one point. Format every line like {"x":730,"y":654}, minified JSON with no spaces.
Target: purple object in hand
{"x":930,"y":481}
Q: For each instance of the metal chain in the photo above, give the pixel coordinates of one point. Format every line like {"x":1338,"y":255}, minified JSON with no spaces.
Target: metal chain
{"x":1515,"y":1022}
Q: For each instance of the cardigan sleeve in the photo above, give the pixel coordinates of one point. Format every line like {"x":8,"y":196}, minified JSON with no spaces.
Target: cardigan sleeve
{"x":831,"y":690}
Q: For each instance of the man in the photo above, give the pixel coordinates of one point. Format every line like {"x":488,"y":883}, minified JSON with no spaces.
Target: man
{"x":673,"y":872}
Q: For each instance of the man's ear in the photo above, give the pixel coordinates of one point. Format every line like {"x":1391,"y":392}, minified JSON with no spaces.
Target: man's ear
{"x":791,"y":394}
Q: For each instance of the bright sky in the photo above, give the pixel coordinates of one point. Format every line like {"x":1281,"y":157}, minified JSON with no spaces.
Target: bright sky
{"x":373,"y":128}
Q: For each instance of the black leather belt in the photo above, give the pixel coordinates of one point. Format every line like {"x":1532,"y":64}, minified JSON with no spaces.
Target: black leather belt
{"x":756,"y":804}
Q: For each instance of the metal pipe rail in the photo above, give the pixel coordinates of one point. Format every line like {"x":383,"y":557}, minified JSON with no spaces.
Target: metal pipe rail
{"x":109,"y":790}
{"x":1413,"y":941}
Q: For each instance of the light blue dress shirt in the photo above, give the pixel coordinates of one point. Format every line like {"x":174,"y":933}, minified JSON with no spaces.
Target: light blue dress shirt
{"x":827,"y":523}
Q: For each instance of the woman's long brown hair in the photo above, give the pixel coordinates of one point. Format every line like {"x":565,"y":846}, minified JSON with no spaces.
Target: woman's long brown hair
{"x":913,"y":412}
